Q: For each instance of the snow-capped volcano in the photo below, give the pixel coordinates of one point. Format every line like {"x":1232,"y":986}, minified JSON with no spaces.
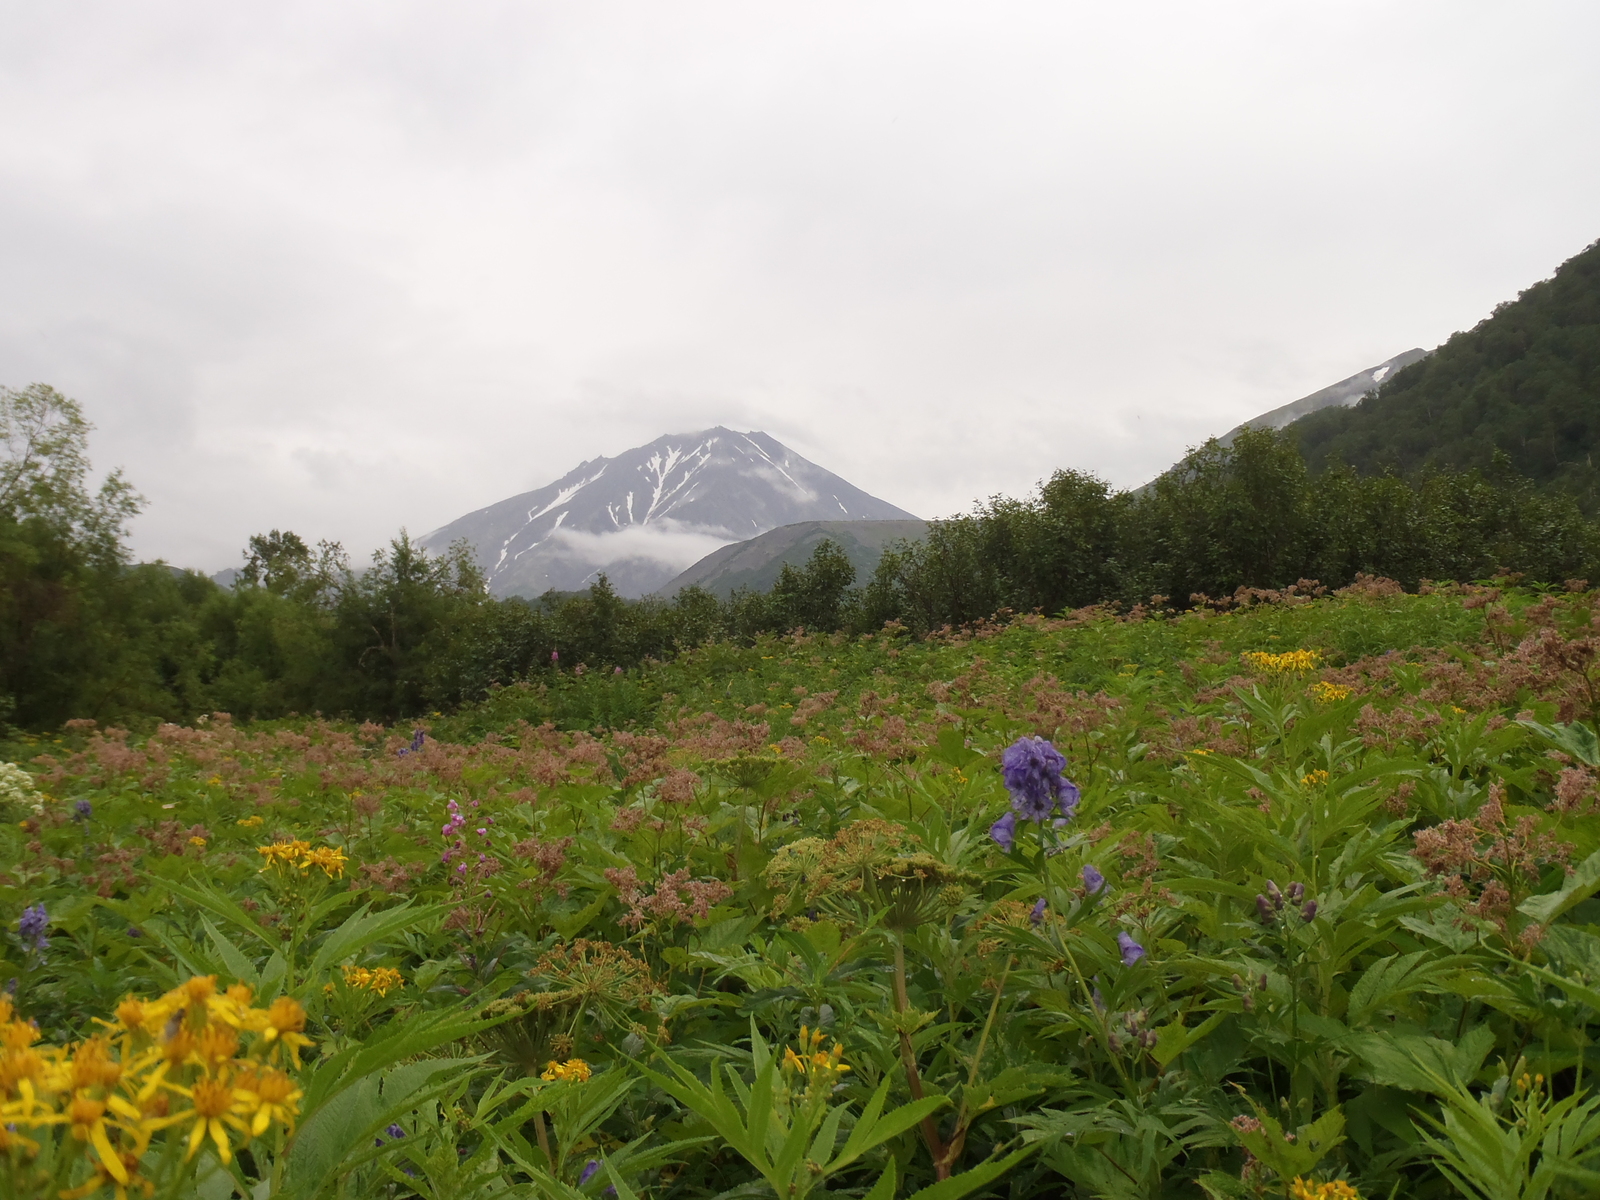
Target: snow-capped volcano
{"x":648,"y":513}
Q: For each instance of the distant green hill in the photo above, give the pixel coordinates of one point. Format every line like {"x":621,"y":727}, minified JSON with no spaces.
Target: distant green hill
{"x":1524,"y":381}
{"x":755,"y":564}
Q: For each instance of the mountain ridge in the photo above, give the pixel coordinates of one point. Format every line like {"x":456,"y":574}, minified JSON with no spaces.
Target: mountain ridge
{"x":644,"y":515}
{"x":1344,"y":394}
{"x":1524,"y":382}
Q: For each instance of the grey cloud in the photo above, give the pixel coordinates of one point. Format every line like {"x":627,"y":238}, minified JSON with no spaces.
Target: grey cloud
{"x":346,"y":268}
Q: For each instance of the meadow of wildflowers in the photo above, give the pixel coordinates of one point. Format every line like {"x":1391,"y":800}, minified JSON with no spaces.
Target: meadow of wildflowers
{"x":1293,"y":896}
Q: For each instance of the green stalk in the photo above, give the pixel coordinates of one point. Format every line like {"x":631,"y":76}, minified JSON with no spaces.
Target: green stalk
{"x":930,"y":1131}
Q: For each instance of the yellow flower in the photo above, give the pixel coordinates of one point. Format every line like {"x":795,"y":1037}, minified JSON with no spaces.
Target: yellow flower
{"x":92,"y":1065}
{"x":1334,"y":1189}
{"x":330,"y":858}
{"x":1315,"y":778}
{"x":1288,"y":661}
{"x":1329,"y":693}
{"x":198,"y":841}
{"x":574,"y":1070}
{"x":283,"y":854}
{"x":282,"y":1022}
{"x":214,"y":780}
{"x":216,"y":1109}
{"x":249,"y":822}
{"x":811,"y":1060}
{"x":88,"y":1120}
{"x":270,"y":1096}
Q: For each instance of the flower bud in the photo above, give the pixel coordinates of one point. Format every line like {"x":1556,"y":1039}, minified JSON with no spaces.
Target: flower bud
{"x":1264,"y":907}
{"x":1296,"y":892}
{"x":1309,"y":912}
{"x":1274,"y":893}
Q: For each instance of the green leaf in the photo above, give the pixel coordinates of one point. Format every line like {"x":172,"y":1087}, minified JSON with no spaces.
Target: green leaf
{"x":1422,"y":1064}
{"x":362,"y":928}
{"x":968,"y":1182}
{"x":1172,"y":1040}
{"x":219,"y":905}
{"x":232,"y":957}
{"x":878,"y":1130}
{"x":1579,"y":886}
{"x":884,"y":1189}
{"x":624,"y":1192}
{"x":1391,"y":979}
{"x":1576,"y":739}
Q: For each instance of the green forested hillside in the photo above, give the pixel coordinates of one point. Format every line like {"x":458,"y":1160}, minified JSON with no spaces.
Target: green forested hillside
{"x":1525,"y":382}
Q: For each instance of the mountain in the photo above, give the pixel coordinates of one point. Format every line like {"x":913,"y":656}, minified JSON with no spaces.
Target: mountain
{"x":1524,"y":382}
{"x":755,"y":564}
{"x":1341,"y":395}
{"x":648,"y":513}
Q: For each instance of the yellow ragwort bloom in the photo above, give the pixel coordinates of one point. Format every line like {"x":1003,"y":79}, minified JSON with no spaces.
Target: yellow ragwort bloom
{"x":283,"y":854}
{"x":1316,"y":777}
{"x":217,"y":1108}
{"x":1329,"y":693}
{"x":1334,"y":1189}
{"x":811,"y":1060}
{"x":383,"y":980}
{"x":330,"y":858}
{"x":1280,"y":664}
{"x":268,"y":1097}
{"x":574,"y":1070}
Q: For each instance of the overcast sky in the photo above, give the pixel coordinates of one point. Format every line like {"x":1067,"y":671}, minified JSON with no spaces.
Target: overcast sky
{"x":343,"y":267}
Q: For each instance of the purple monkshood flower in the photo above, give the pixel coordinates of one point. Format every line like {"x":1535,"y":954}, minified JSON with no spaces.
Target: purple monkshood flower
{"x":1032,"y":770}
{"x":1004,"y":831}
{"x":1092,"y":879}
{"x":589,"y":1169}
{"x":1037,"y":915}
{"x":32,"y":926}
{"x":82,"y":810}
{"x":1132,"y":952}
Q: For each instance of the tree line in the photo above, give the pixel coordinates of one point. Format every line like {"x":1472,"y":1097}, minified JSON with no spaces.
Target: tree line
{"x":86,"y":632}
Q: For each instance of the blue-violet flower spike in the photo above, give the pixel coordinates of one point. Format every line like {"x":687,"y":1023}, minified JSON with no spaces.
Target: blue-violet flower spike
{"x":1004,"y":831}
{"x":1132,"y":952}
{"x":1092,"y":879}
{"x":589,"y":1168}
{"x":1032,"y":768}
{"x":32,"y":926}
{"x":1067,"y":797}
{"x":1037,"y":915}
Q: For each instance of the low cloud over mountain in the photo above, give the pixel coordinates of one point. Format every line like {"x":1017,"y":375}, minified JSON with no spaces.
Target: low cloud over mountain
{"x":645,"y":515}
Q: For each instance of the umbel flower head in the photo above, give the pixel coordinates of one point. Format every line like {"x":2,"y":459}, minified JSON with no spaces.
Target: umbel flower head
{"x":869,"y":869}
{"x":1033,"y":771}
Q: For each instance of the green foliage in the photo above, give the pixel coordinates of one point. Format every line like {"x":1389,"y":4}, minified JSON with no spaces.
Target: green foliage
{"x":1522,"y":383}
{"x":1361,"y":888}
{"x":1246,"y":516}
